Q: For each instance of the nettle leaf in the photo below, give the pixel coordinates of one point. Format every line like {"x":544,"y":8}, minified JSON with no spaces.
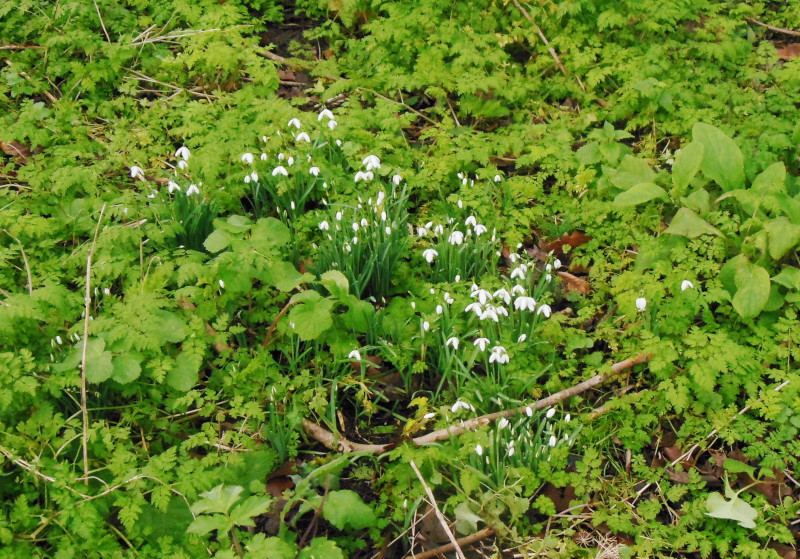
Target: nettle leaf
{"x":632,"y":171}
{"x":689,"y":224}
{"x":733,"y":509}
{"x":686,"y":164}
{"x":722,"y":159}
{"x":782,"y":235}
{"x":345,"y":510}
{"x":639,"y":194}
{"x":752,"y":290}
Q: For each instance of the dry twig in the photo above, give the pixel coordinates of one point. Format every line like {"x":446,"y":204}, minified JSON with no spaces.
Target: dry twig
{"x":773,"y":28}
{"x":463,"y":542}
{"x":343,"y":445}
{"x":439,"y":515}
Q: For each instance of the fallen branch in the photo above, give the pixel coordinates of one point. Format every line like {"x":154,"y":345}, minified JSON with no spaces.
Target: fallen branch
{"x":773,"y":28}
{"x":462,"y":542}
{"x":439,"y":516}
{"x":19,"y":47}
{"x":332,"y":442}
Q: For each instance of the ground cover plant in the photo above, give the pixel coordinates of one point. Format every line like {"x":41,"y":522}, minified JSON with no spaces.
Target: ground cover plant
{"x":380,"y":279}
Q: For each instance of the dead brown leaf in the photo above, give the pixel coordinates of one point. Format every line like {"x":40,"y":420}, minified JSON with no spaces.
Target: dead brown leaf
{"x":790,"y":51}
{"x":16,"y":150}
{"x":574,"y":239}
{"x":574,"y":283}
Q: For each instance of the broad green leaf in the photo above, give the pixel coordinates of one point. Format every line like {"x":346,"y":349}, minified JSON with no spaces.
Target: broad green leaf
{"x":219,"y":499}
{"x":242,"y":514}
{"x":788,"y":278}
{"x":345,"y":510}
{"x":771,"y":181}
{"x":311,"y":319}
{"x":274,"y":548}
{"x":782,"y":235}
{"x":752,"y":290}
{"x":689,"y":224}
{"x":126,"y":368}
{"x":466,"y":520}
{"x":205,"y":524}
{"x":168,"y":327}
{"x":686,"y":165}
{"x":269,"y":232}
{"x":218,"y":240}
{"x":790,"y":207}
{"x":698,"y":201}
{"x":632,"y":171}
{"x":335,"y":282}
{"x":321,"y":548}
{"x":639,"y":194}
{"x":722,"y":159}
{"x":285,"y":276}
{"x":727,"y":274}
{"x":735,"y":509}
{"x":737,"y":467}
{"x":98,"y":361}
{"x":748,"y":200}
{"x":183,"y":376}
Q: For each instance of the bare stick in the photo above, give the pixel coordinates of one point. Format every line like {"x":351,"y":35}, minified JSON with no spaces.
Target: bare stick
{"x":25,"y":260}
{"x":86,"y":310}
{"x":465,"y":541}
{"x":550,"y":49}
{"x":343,"y":445}
{"x":100,"y":17}
{"x":439,"y":515}
{"x":19,"y":47}
{"x":773,"y":28}
{"x":274,"y":324}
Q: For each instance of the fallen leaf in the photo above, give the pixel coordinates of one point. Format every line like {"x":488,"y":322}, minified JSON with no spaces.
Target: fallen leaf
{"x":19,"y":152}
{"x":574,"y":239}
{"x":790,"y":51}
{"x":574,"y":283}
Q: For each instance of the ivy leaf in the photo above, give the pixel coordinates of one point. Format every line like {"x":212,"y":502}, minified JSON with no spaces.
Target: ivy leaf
{"x":735,"y":509}
{"x":752,"y":290}
{"x":183,"y":376}
{"x":639,"y":194}
{"x":689,"y":224}
{"x":686,"y":165}
{"x":782,"y":235}
{"x":345,"y":509}
{"x":722,"y":159}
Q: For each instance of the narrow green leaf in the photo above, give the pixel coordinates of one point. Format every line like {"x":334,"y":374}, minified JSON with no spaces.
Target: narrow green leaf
{"x":722,"y":159}
{"x":639,"y":194}
{"x":689,"y":224}
{"x":686,"y":165}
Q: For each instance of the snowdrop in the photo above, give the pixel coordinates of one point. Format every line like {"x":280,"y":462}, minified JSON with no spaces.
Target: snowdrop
{"x":325,"y":113}
{"x":519,"y":272}
{"x":290,"y":161}
{"x":332,"y":124}
{"x":280,"y":170}
{"x":503,"y":423}
{"x":371,"y":162}
{"x":498,"y":355}
{"x":489,"y":312}
{"x":686,"y":284}
{"x":452,"y":342}
{"x":504,"y":295}
{"x":439,"y":309}
{"x":221,"y":284}
{"x":355,"y":355}
{"x":438,"y":230}
{"x":183,"y":153}
{"x":362,"y":176}
{"x":182,"y":164}
{"x":518,"y":290}
{"x":302,"y":137}
{"x":137,"y":173}
{"x":479,"y":450}
{"x":550,"y":413}
{"x":481,"y":343}
{"x":641,"y":303}
{"x":429,"y":255}
{"x":295,"y":122}
{"x":247,"y":158}
{"x":553,"y":440}
{"x":172,"y":186}
{"x":324,"y":226}
{"x":254,"y":176}
{"x":456,"y":238}
{"x":475,"y":307}
{"x":397,"y":179}
{"x":482,"y":295}
{"x":448,"y":299}
{"x":429,"y":415}
{"x":314,"y":171}
{"x":497,"y":178}
{"x":421,"y":231}
{"x":556,"y":263}
{"x":525,"y":303}
{"x":522,"y":338}
{"x":263,"y":157}
{"x":192,"y":190}
{"x":461,"y":405}
{"x":426,"y":326}
{"x":545,"y":310}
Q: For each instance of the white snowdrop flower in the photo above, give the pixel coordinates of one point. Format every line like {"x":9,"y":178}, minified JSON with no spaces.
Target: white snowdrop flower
{"x":221,"y":284}
{"x":567,"y":418}
{"x":264,"y":139}
{"x":503,"y":423}
{"x":513,"y":257}
{"x":338,"y":142}
{"x":475,"y":307}
{"x":314,"y":171}
{"x":429,"y":255}
{"x":498,"y":355}
{"x":464,"y":182}
{"x":397,"y":179}
{"x":172,"y":186}
{"x":548,"y":278}
{"x":482,"y":294}
{"x":522,"y":338}
{"x":263,"y":157}
{"x":529,"y":411}
{"x":383,"y":215}
{"x":497,"y":178}
{"x":525,"y":303}
{"x":511,"y":451}
{"x":182,"y":164}
{"x":460,"y":204}
{"x":325,"y":113}
{"x":295,"y":122}
{"x":364,"y":222}
{"x":413,"y":304}
{"x":106,"y":291}
{"x":347,"y":247}
{"x":481,"y":343}
{"x":549,"y":267}
{"x":503,"y":294}
{"x":453,"y":342}
{"x":302,"y":137}
{"x":338,"y":216}
{"x":545,"y":310}
{"x":388,"y":230}
{"x":432,"y":291}
{"x":192,"y":190}
{"x":429,"y":225}
{"x":137,"y":172}
{"x":292,"y":205}
{"x":183,"y":153}
{"x":553,"y":440}
{"x":501,"y":311}
{"x":355,"y":227}
{"x":460,"y":175}
{"x":291,"y":325}
{"x":380,"y":198}
{"x":371,"y":162}
{"x":448,"y":299}
{"x":550,"y":413}
{"x":457,"y":278}
{"x":456,"y":238}
{"x":280,"y":170}
{"x":308,"y":158}
{"x":58,"y":340}
{"x":254,"y":176}
{"x":459,"y":405}
{"x":332,"y":124}
{"x":324,"y":226}
{"x":518,"y":290}
{"x":430,"y":415}
{"x":641,"y":303}
{"x":152,"y":194}
{"x":426,"y":326}
{"x":355,"y":355}
{"x":438,"y":230}
{"x":439,"y":309}
{"x":470,"y":221}
{"x":281,"y":156}
{"x":362,"y":176}
{"x":290,"y":161}
{"x":479,"y":450}
{"x":519,"y":272}
{"x":686,"y":284}
{"x":556,"y":263}
{"x":247,"y":158}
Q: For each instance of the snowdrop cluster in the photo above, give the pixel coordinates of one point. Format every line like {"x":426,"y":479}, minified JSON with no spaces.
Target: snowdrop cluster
{"x":457,"y":250}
